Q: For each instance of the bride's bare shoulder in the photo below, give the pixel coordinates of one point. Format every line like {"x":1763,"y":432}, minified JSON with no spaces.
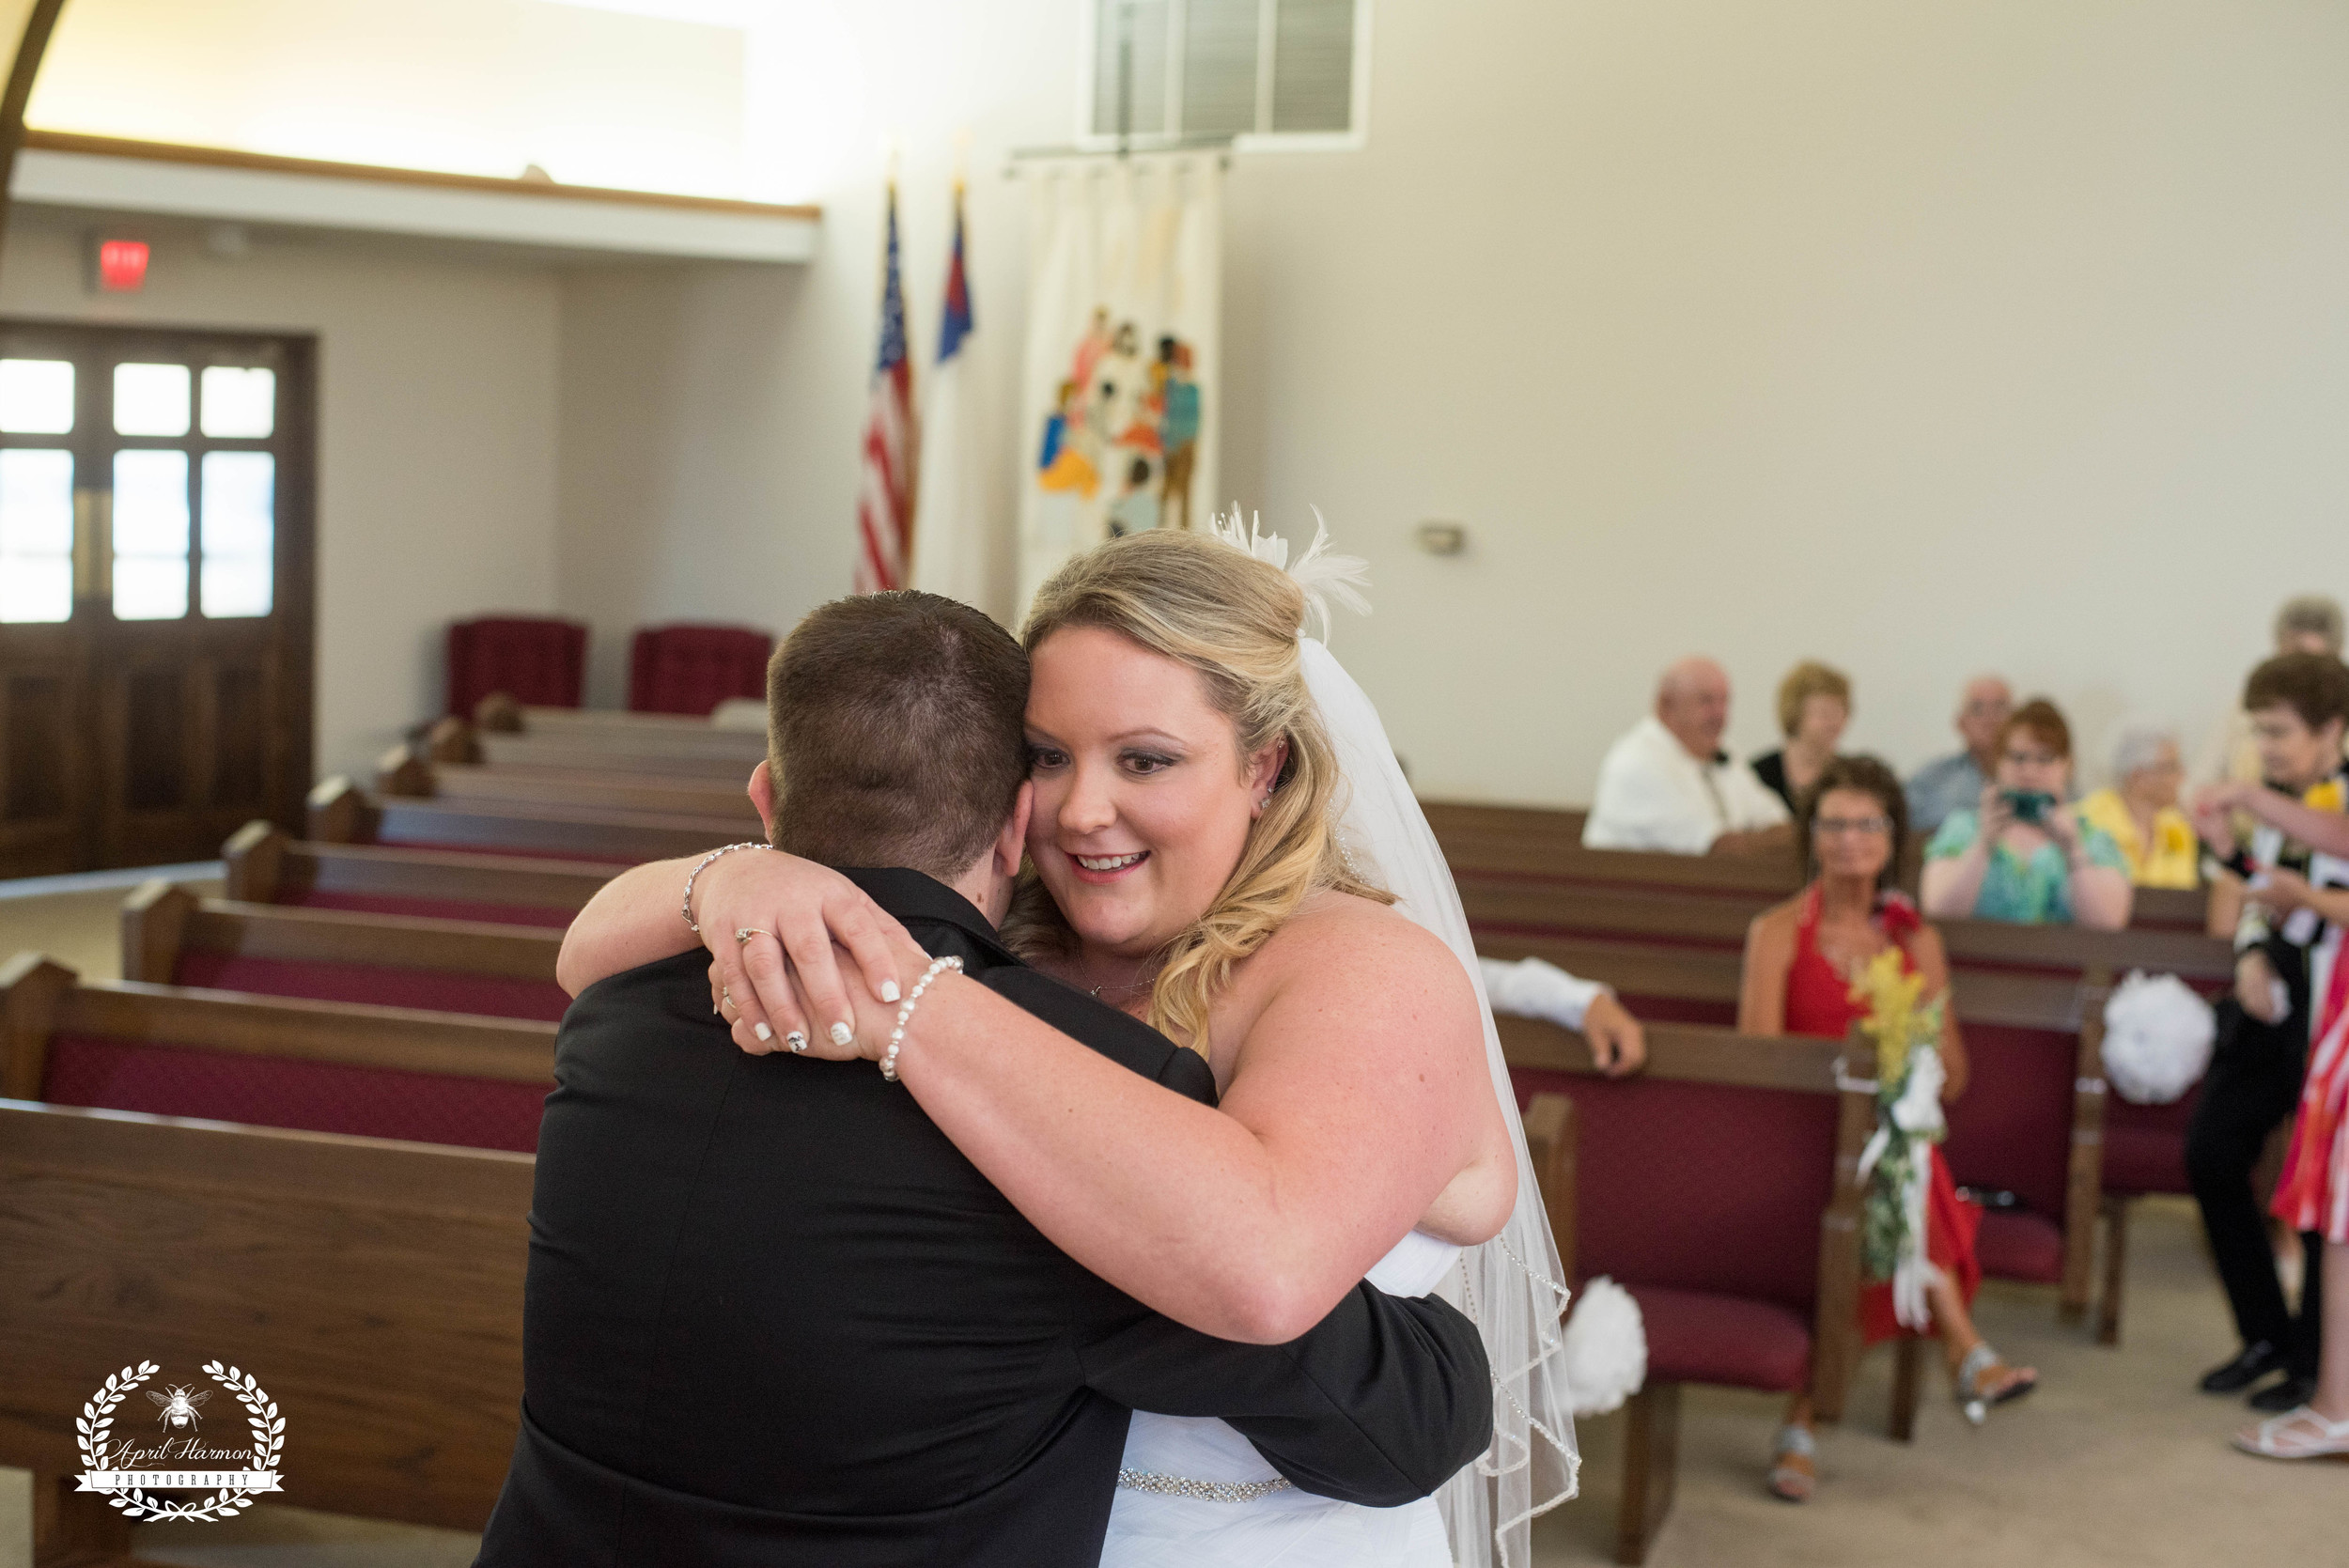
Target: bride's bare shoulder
{"x":1333,"y":928}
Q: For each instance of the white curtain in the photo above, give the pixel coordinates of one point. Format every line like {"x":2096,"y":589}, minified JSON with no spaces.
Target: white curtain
{"x":1120,"y":393}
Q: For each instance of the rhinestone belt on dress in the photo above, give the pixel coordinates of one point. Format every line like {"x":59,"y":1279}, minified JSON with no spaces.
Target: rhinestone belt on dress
{"x":1203,"y":1490}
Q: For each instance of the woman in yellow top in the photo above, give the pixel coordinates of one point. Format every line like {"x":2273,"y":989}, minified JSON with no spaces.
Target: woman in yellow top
{"x":2141,"y":812}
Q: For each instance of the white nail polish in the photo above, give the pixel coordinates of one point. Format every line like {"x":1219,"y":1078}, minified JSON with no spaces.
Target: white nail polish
{"x":842,"y":1034}
{"x":762,"y":1032}
{"x":889,"y":990}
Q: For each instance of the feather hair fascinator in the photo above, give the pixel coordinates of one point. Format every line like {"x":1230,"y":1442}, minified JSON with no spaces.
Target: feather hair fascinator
{"x":1322,"y":574}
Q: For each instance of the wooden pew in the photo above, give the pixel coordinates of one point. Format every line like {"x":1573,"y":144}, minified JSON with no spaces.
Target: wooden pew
{"x":342,"y":813}
{"x":316,"y":1066}
{"x":405,"y":772}
{"x":2033,"y":1121}
{"x":372,"y":1288}
{"x":265,"y":865}
{"x":606,"y":729}
{"x":1722,"y":1194}
{"x":726,"y":759}
{"x":171,"y":937}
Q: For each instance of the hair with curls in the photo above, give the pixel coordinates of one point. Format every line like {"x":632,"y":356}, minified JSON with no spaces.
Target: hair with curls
{"x":1234,"y":621}
{"x":1866,"y":775}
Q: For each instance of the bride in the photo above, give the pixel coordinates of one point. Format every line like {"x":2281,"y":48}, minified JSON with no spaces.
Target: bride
{"x":1221,"y":844}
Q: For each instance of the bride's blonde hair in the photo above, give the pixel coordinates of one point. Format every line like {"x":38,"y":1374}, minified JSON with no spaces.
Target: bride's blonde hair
{"x":1234,"y":620}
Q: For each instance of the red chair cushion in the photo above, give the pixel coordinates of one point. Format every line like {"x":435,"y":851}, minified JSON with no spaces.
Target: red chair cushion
{"x":691,"y":669}
{"x":2012,"y":1129}
{"x":1699,"y":1187}
{"x":436,"y":909}
{"x":2016,"y":1243}
{"x":2145,"y":1146}
{"x":312,"y":1097}
{"x":534,"y":660}
{"x":1698,"y":1337}
{"x":438,"y":989}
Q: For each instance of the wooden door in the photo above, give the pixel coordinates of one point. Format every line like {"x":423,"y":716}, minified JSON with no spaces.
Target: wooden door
{"x":156,"y":584}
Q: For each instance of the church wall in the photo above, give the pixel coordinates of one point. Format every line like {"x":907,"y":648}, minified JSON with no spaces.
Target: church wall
{"x":1923,"y":340}
{"x":436,"y":436}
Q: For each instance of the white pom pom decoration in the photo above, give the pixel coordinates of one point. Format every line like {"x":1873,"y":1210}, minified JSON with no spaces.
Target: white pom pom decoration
{"x":1605,"y":1348}
{"x":2157,"y":1038}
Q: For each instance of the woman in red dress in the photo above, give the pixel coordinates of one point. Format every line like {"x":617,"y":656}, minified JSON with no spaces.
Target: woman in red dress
{"x":1801,"y":958}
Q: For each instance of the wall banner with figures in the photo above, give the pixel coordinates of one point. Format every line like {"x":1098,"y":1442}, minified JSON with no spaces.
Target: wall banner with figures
{"x":1119,"y":394}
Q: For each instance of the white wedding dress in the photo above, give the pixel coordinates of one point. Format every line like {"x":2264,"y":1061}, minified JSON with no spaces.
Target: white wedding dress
{"x":1290,"y":1527}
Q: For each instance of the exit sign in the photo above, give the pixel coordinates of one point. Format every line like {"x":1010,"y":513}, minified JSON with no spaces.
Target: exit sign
{"x":122,"y":265}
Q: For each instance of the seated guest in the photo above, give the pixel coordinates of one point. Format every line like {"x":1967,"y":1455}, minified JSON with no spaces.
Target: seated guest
{"x":1941,"y":787}
{"x":1667,"y":785}
{"x":2019,"y":854}
{"x":2309,"y":623}
{"x":2140,"y":810}
{"x":1813,"y":706}
{"x":1801,"y":960}
{"x":1534,"y":988}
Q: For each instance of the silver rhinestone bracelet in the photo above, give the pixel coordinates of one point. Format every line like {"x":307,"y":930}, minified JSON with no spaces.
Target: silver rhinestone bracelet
{"x":702,"y":864}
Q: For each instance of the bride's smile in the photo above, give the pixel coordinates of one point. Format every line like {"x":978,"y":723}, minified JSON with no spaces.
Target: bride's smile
{"x":1142,"y":803}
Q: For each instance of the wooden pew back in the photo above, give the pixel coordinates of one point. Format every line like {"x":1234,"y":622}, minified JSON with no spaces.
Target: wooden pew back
{"x":383,"y":1072}
{"x":405,"y":772}
{"x":170,"y":937}
{"x":266,"y":866}
{"x":373,"y":1289}
{"x":341,"y":812}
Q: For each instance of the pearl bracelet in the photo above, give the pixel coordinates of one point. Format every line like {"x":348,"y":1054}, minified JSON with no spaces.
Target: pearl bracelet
{"x":694,"y":875}
{"x":897,"y":1035}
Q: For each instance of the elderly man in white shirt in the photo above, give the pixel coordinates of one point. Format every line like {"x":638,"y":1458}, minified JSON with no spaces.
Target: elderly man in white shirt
{"x":1667,"y":785}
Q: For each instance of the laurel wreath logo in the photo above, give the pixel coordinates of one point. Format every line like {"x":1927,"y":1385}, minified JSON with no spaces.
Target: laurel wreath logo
{"x":95,"y":1435}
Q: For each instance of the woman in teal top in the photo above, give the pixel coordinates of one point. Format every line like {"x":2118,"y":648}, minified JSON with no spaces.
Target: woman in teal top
{"x":2022,"y":855}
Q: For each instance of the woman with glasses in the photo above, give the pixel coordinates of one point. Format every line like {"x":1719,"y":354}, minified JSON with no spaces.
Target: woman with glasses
{"x":1801,"y":960}
{"x":2021,"y":854}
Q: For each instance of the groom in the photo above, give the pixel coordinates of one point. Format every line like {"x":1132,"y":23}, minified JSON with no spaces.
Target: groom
{"x":773,"y":1317}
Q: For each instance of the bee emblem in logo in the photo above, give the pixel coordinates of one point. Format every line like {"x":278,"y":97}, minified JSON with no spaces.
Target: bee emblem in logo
{"x":178,"y":1406}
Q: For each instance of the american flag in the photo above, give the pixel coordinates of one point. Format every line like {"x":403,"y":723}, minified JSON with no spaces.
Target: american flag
{"x":884,"y":507}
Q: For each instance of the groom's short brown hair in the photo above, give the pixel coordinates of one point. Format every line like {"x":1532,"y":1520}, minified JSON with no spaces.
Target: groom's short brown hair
{"x":895,"y":730}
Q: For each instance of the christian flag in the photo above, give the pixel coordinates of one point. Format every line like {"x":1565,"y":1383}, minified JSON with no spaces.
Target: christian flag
{"x":952,"y":551}
{"x":884,"y":507}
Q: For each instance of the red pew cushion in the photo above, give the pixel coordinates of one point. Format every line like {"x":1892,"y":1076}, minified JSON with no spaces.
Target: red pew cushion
{"x":1699,"y":1336}
{"x":1699,"y":1187}
{"x":436,"y":909}
{"x":2012,"y":1129}
{"x":437,"y":989}
{"x":2145,"y":1146}
{"x":2016,"y":1243}
{"x":312,"y":1097}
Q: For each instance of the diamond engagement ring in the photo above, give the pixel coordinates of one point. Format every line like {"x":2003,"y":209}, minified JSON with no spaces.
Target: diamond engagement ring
{"x":747,"y":931}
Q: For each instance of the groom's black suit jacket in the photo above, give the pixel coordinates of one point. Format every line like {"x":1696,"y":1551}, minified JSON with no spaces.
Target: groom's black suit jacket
{"x":773,"y":1317}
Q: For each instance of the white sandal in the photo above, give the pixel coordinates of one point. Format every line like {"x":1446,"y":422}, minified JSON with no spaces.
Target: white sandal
{"x":1971,"y":1401}
{"x":2300,"y":1434}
